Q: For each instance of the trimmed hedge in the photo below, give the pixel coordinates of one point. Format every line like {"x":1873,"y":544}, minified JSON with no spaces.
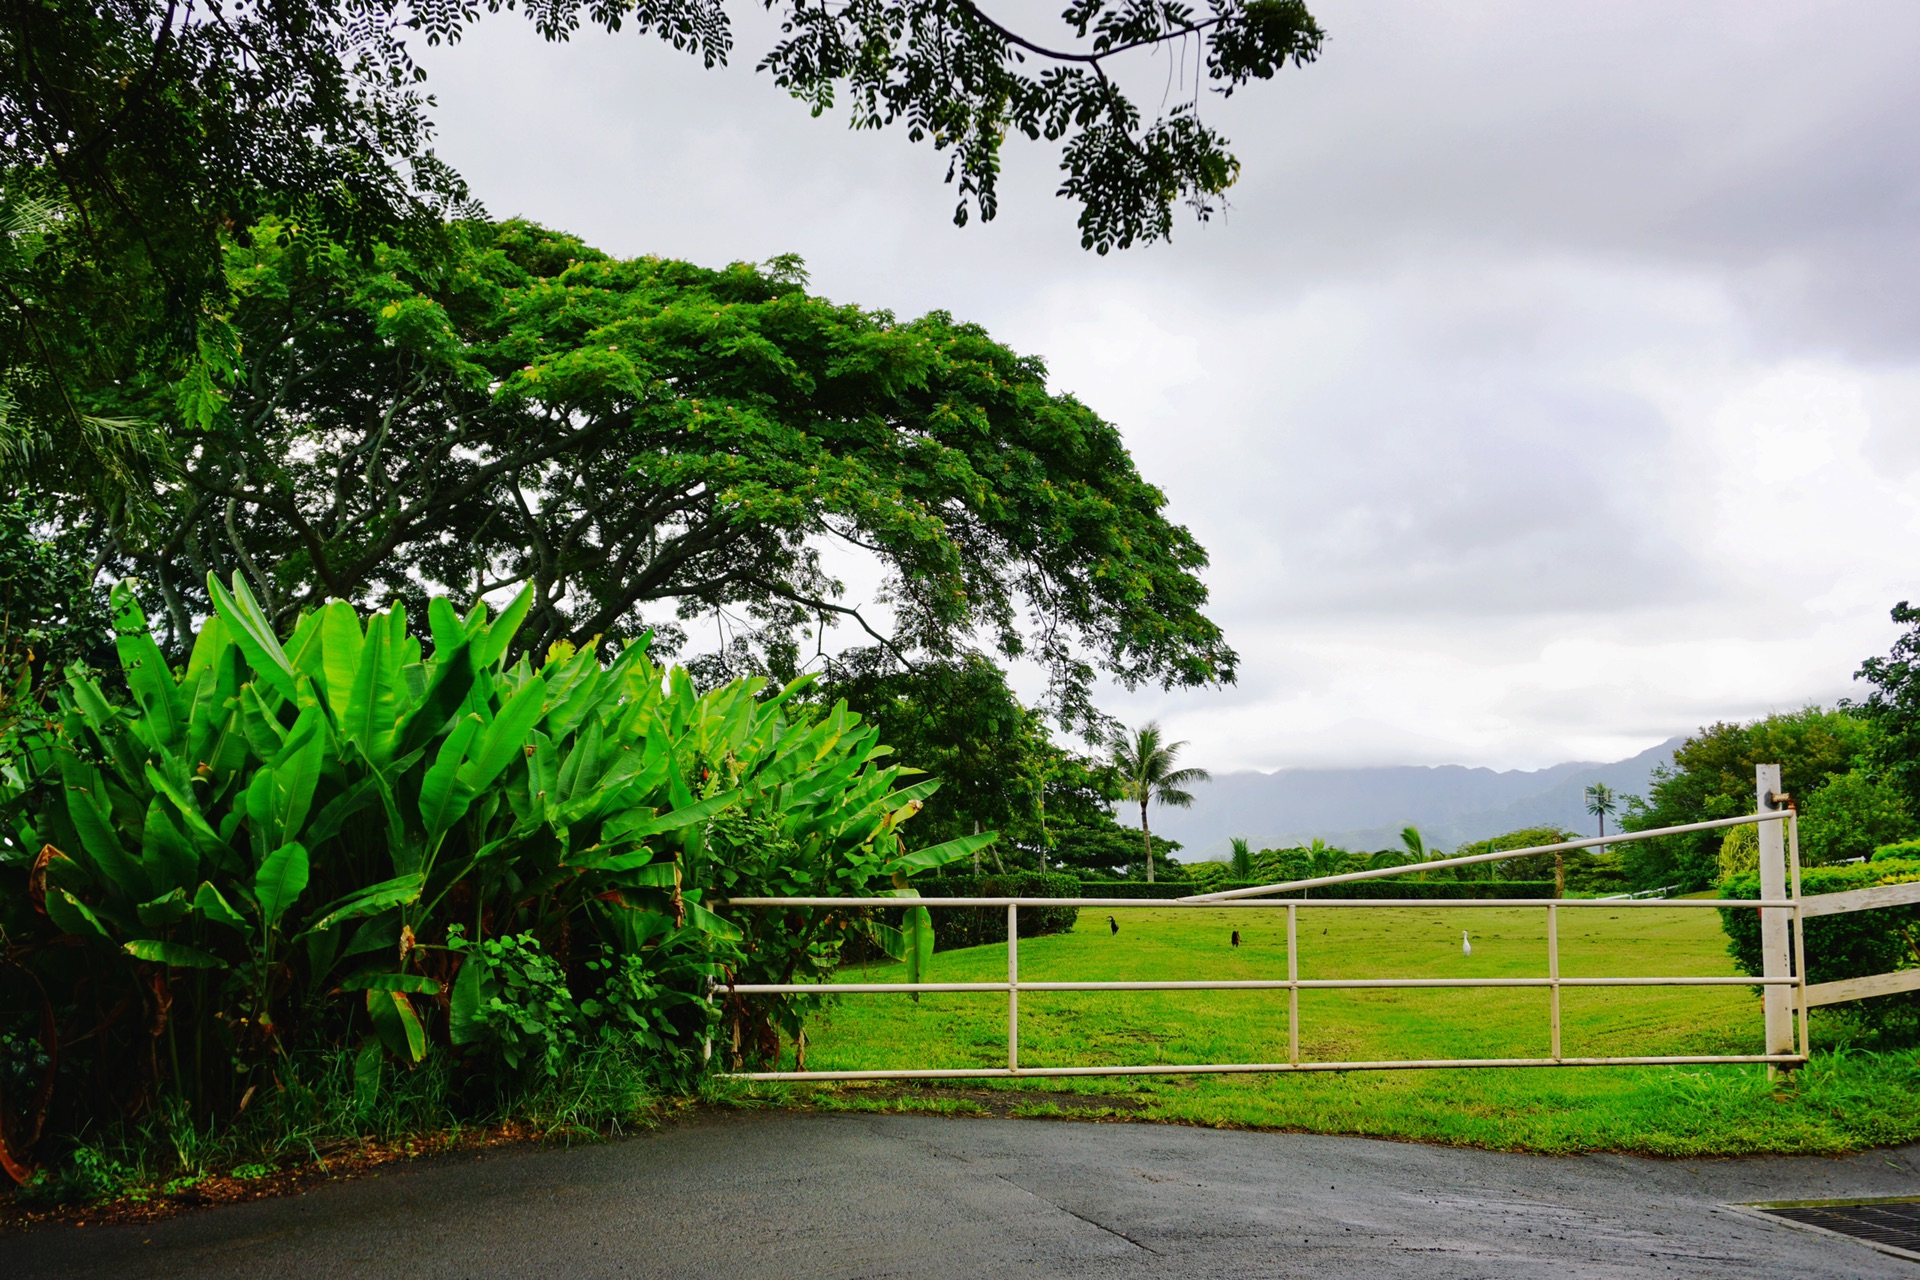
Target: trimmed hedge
{"x":1853,"y":945}
{"x":957,"y":927}
{"x":1427,"y":889}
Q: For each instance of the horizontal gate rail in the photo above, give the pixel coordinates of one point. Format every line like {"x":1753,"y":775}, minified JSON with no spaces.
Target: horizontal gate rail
{"x":1282,"y":1068}
{"x":1237,"y":984}
{"x":1879,"y":984}
{"x":1501,"y":855}
{"x":1781,"y":1052}
{"x":1447,"y":904}
{"x":1884,"y":895}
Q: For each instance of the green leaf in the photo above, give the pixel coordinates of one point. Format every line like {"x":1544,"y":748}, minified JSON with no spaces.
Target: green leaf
{"x":446,"y":689}
{"x":303,"y":647}
{"x":505,"y":739}
{"x":208,"y":645}
{"x":247,"y":622}
{"x":638,"y":825}
{"x":147,"y":675}
{"x":397,"y":1024}
{"x":939,"y":855}
{"x":178,"y":955}
{"x":297,"y":772}
{"x":333,"y":815}
{"x":917,"y":924}
{"x":282,"y":878}
{"x":444,"y":625}
{"x":505,"y":627}
{"x":444,"y":798}
{"x":401,"y":891}
{"x":208,"y":902}
{"x":205,"y":837}
{"x":93,"y":820}
{"x":164,"y":911}
{"x":718,"y":926}
{"x":464,"y":1008}
{"x":373,"y":710}
{"x":374,"y":980}
{"x":259,"y":722}
{"x":639,"y":869}
{"x":366,"y":1076}
{"x":73,"y":915}
{"x":342,"y":644}
{"x":164,"y":852}
{"x":893,"y":943}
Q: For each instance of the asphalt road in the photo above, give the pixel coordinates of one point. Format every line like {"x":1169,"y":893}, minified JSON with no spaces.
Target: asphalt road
{"x":740,"y":1196}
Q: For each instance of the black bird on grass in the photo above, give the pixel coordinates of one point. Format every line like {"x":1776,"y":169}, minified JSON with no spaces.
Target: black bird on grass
{"x":1113,"y":926}
{"x":1236,"y":937}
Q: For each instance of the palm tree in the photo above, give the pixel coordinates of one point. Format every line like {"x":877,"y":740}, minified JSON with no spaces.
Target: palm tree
{"x":1601,"y":801}
{"x":1241,"y":863}
{"x":1417,"y":847}
{"x":1324,"y":860}
{"x":1147,"y":775}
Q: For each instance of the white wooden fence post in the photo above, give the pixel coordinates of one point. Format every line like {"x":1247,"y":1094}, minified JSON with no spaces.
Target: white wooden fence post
{"x":1013,"y":987}
{"x":1778,"y":1000}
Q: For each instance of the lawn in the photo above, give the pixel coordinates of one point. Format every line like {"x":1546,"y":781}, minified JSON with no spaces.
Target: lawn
{"x":1843,"y":1101}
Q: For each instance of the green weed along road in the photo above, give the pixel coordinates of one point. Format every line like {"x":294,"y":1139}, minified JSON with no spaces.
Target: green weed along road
{"x":1842,"y":1102}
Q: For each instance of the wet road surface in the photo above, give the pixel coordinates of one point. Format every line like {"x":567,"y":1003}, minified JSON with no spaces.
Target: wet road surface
{"x":786,"y":1196}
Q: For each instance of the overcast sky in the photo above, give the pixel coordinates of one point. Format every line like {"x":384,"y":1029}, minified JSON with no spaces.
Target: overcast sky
{"x":1552,"y":386}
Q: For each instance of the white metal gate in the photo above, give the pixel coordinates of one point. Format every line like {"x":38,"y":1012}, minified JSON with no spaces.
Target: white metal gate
{"x":1783,"y":981}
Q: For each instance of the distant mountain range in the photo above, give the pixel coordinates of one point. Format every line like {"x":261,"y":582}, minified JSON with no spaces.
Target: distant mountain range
{"x":1366,"y":808}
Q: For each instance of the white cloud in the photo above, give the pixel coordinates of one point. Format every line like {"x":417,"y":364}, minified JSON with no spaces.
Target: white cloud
{"x":1552,"y":387}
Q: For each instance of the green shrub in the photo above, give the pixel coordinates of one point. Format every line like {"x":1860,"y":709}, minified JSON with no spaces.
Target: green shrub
{"x":353,"y":843}
{"x":955,"y":927}
{"x":512,"y":1000}
{"x":1855,"y":944}
{"x":1849,"y":816}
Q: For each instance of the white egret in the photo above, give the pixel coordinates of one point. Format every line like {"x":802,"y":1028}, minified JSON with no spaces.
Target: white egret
{"x":1466,"y":946}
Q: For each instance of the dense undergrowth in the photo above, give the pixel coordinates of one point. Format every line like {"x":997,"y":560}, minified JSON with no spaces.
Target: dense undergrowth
{"x":358,"y":883}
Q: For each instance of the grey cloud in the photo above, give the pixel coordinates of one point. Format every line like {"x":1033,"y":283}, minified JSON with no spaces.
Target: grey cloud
{"x":1401,"y":390}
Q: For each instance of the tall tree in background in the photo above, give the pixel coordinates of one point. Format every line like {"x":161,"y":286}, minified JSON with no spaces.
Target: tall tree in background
{"x":1601,"y":803}
{"x":1894,"y":706}
{"x":652,"y":444}
{"x":1711,"y":776}
{"x":139,"y":132}
{"x":1146,"y":764}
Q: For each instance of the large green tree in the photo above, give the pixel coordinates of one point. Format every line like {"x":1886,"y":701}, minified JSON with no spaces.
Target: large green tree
{"x":1711,"y":776}
{"x":139,"y":132}
{"x":1894,"y":705}
{"x":959,"y":720}
{"x":649,"y":442}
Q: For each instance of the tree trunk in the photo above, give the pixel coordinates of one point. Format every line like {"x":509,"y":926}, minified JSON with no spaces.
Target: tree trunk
{"x":1559,"y":875}
{"x":1146,"y":838}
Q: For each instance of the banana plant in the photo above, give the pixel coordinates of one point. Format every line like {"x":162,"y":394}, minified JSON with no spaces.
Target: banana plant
{"x":266,"y":845}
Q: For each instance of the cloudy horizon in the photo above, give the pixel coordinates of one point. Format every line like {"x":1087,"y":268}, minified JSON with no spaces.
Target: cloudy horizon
{"x":1550,"y":388}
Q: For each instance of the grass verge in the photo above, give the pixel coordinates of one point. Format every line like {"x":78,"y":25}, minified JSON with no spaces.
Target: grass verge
{"x":1845,"y":1100}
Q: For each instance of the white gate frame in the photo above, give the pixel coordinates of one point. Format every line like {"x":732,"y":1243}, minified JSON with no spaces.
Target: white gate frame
{"x":1783,"y":980}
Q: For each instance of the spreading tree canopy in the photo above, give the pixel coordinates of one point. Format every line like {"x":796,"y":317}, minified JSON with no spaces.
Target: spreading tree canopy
{"x":138,"y":132}
{"x":1711,"y":776}
{"x":644,"y":441}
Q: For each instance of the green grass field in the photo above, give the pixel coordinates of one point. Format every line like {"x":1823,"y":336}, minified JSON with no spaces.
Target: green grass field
{"x":1841,"y":1102}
